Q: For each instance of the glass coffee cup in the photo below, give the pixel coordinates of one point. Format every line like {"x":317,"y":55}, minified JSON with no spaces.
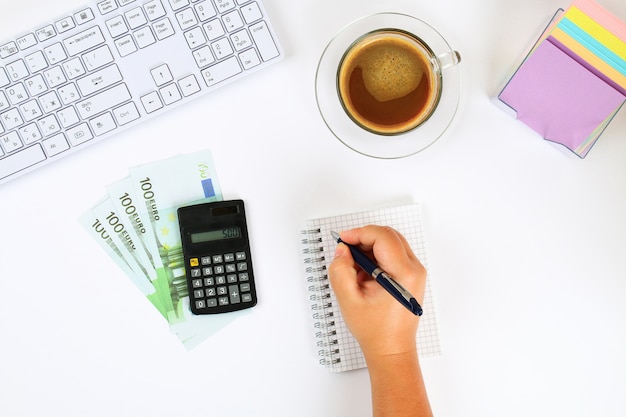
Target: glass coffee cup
{"x":388,"y":85}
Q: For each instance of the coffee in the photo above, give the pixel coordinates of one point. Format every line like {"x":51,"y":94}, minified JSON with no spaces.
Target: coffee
{"x":388,"y":83}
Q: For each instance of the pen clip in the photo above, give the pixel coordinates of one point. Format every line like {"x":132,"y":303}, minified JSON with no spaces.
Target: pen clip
{"x":398,"y":292}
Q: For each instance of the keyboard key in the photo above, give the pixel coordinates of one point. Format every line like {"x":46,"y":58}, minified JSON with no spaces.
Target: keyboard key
{"x":163,"y":29}
{"x":64,"y":25}
{"x":8,"y":49}
{"x":45,"y":33}
{"x":26,"y":41}
{"x":189,"y":85}
{"x":161,"y":75}
{"x":117,"y":26}
{"x":205,"y":10}
{"x":251,"y":12}
{"x":84,"y":16}
{"x":99,"y":80}
{"x":21,"y":160}
{"x":79,"y":134}
{"x":102,"y":101}
{"x":55,"y":53}
{"x":10,"y":142}
{"x":125,"y":45}
{"x":144,"y":37}
{"x":97,"y":58}
{"x":154,"y":9}
{"x":4,"y":78}
{"x":221,"y":71}
{"x":263,"y":38}
{"x":106,"y":6}
{"x":126,"y":113}
{"x":83,"y":41}
{"x":136,"y":18}
{"x":55,"y":145}
{"x":102,"y":124}
{"x":17,"y":70}
{"x":151,"y":102}
{"x":170,"y":94}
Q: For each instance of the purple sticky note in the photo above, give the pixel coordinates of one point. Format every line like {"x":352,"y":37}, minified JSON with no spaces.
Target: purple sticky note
{"x":558,"y":97}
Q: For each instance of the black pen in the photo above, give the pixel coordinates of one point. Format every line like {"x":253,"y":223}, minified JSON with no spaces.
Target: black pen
{"x":399,"y":293}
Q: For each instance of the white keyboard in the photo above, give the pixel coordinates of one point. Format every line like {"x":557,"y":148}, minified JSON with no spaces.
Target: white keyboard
{"x":115,"y":63}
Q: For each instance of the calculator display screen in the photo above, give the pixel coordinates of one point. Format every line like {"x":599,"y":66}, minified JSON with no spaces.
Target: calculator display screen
{"x":232,"y":232}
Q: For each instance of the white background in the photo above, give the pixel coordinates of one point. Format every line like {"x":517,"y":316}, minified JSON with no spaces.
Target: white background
{"x":527,"y":246}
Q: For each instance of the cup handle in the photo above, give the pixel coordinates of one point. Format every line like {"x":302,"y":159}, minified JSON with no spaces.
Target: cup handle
{"x":449,"y":59}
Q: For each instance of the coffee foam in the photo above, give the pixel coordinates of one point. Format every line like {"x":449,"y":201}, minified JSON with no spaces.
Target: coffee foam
{"x":391,"y":69}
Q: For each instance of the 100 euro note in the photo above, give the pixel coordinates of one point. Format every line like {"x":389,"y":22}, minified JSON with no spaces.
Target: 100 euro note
{"x":137,"y":226}
{"x":94,"y":227}
{"x":159,"y":189}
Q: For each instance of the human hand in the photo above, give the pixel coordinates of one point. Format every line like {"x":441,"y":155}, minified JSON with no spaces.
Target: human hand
{"x":378,"y":321}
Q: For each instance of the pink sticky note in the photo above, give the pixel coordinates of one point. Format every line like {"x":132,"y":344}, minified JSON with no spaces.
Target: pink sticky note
{"x":558,"y":97}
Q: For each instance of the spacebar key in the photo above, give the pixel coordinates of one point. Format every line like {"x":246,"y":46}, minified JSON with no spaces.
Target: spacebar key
{"x":103,"y":101}
{"x":21,"y":160}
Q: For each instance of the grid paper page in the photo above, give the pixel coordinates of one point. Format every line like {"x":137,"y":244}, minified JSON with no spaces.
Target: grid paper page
{"x":346,"y":354}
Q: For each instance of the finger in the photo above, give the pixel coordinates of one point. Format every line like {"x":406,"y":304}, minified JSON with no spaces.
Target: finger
{"x":389,"y":247}
{"x":342,"y":272}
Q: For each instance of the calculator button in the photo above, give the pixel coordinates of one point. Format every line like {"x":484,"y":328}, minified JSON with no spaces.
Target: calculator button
{"x":209,"y":282}
{"x":220,"y":280}
{"x":222,"y":291}
{"x":231,"y":268}
{"x":242,"y":266}
{"x":207,"y":271}
{"x":245,"y":287}
{"x":205,"y":260}
{"x":223,"y":301}
{"x":210,"y":292}
{"x":193,"y":262}
{"x":195,"y":273}
{"x":198,"y":293}
{"x":218,"y":269}
{"x":243,"y":277}
{"x":246,"y":298}
{"x":200,"y":304}
{"x":197,"y":283}
{"x":211,"y":302}
{"x":240,"y":256}
{"x":233,"y":291}
{"x":229,"y":257}
{"x":217,"y":259}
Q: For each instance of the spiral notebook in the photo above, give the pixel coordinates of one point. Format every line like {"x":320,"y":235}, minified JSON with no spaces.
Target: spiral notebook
{"x":338,"y":350}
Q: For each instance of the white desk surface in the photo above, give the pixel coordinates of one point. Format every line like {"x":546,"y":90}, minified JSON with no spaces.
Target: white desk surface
{"x":527,"y":246}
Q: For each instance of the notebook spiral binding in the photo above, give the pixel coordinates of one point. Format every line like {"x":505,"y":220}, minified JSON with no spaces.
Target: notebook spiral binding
{"x":320,"y":297}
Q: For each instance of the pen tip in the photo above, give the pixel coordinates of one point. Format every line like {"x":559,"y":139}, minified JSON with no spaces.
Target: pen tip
{"x":334,"y":234}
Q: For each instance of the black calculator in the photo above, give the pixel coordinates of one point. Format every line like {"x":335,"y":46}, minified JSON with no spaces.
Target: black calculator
{"x":216,"y":250}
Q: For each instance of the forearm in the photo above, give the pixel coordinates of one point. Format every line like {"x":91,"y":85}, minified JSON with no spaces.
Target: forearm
{"x":397,"y":386}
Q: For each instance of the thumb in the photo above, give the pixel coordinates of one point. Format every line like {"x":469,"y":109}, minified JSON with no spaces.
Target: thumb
{"x":342,"y":272}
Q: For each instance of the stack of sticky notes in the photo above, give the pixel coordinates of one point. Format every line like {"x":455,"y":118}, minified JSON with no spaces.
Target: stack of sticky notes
{"x":573,"y":81}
